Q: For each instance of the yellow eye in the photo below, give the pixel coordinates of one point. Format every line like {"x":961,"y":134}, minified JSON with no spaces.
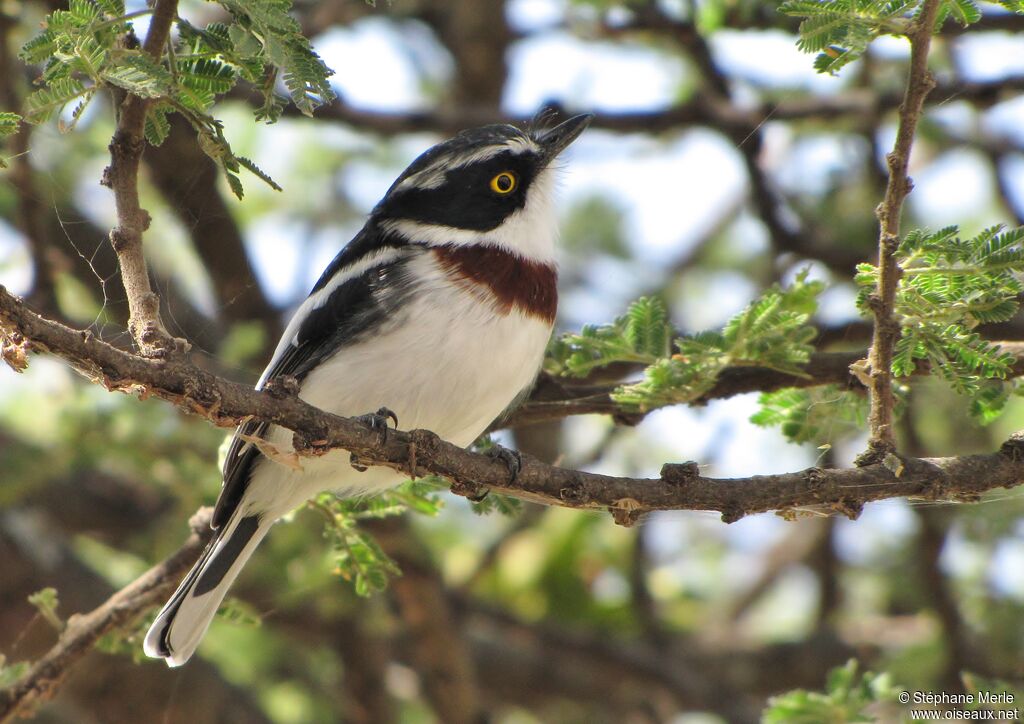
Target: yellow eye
{"x":504,"y":183}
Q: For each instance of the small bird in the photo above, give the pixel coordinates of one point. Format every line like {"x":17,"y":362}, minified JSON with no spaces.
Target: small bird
{"x":436,"y":313}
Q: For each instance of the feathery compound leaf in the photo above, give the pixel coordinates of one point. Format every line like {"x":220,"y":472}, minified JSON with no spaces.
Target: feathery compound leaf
{"x":964,"y":12}
{"x":989,"y":401}
{"x":771,"y":332}
{"x":841,"y":30}
{"x":9,"y":123}
{"x":305,"y":77}
{"x":821,"y":31}
{"x":257,"y":171}
{"x":647,"y":329}
{"x":266,"y":30}
{"x":234,"y":183}
{"x":41,"y":105}
{"x":157,"y":126}
{"x":909,"y":348}
{"x":817,"y":414}
{"x":1000,"y":249}
{"x":111,"y":8}
{"x":949,"y":286}
{"x":39,"y":48}
{"x":139,"y":75}
{"x":206,"y":74}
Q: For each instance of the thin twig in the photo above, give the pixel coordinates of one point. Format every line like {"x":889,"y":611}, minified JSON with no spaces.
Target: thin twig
{"x":920,"y":82}
{"x":122,"y":176}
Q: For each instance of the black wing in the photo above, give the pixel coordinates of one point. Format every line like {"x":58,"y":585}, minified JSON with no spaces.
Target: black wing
{"x":326,"y":322}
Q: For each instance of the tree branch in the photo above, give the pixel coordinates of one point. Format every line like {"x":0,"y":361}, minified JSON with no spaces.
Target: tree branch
{"x":857,"y":107}
{"x":82,"y":631}
{"x":887,"y":330}
{"x":416,"y":453}
{"x":122,"y":176}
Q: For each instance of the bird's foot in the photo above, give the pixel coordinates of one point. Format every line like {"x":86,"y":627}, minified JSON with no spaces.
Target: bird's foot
{"x":375,"y":421}
{"x":379,"y":421}
{"x":512,"y":459}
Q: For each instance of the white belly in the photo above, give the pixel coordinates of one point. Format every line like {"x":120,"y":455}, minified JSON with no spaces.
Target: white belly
{"x":451,"y":365}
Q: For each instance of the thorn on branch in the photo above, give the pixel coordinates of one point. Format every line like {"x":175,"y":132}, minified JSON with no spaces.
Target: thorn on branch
{"x":575,"y":495}
{"x":311,"y":445}
{"x":626,"y":512}
{"x":732,"y":512}
{"x":628,"y":419}
{"x":876,"y":453}
{"x":850,"y":508}
{"x":118,"y":239}
{"x":814,"y":476}
{"x":1013,"y":448}
{"x":470,"y":490}
{"x":282,"y":387}
{"x":680,"y":473}
{"x":14,"y":351}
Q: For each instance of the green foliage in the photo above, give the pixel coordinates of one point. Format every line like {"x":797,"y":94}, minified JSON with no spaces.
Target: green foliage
{"x":265,"y":31}
{"x":494,"y":503}
{"x":841,"y":30}
{"x":84,"y":49}
{"x":46,"y":602}
{"x":641,"y":335}
{"x":846,"y":698}
{"x":357,"y":556}
{"x":10,"y":673}
{"x":814,"y":414}
{"x":949,"y":286}
{"x":9,"y":124}
{"x":772,"y":332}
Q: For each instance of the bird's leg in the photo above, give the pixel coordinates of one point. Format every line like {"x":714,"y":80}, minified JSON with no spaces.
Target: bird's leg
{"x":375,"y":421}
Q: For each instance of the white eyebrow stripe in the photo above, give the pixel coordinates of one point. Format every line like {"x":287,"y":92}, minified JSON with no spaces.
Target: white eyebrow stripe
{"x":529,"y":232}
{"x":433,"y":175}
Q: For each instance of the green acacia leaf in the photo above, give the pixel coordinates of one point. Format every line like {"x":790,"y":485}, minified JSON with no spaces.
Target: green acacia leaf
{"x":157,"y":126}
{"x":138,"y":74}
{"x":9,"y":123}
{"x":257,"y":171}
{"x":965,"y":12}
{"x":43,"y":104}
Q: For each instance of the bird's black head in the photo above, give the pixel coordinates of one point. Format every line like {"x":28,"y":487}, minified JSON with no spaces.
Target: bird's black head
{"x":476,"y":180}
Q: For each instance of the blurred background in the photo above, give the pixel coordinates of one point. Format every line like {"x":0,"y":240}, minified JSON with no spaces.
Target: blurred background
{"x":719,"y":164}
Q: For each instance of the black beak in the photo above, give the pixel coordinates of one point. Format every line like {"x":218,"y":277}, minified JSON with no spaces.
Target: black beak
{"x":558,"y":138}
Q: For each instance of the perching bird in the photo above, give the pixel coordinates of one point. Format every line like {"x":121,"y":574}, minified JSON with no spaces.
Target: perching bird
{"x":437,"y":312}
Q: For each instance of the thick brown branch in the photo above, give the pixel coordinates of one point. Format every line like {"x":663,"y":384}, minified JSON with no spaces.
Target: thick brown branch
{"x":84,"y":630}
{"x":419,"y":452}
{"x":122,"y":176}
{"x":887,"y":331}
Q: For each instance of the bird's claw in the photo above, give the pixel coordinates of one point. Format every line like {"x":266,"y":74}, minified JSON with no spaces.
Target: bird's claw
{"x":375,"y":421}
{"x":379,"y":421}
{"x":512,"y":459}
